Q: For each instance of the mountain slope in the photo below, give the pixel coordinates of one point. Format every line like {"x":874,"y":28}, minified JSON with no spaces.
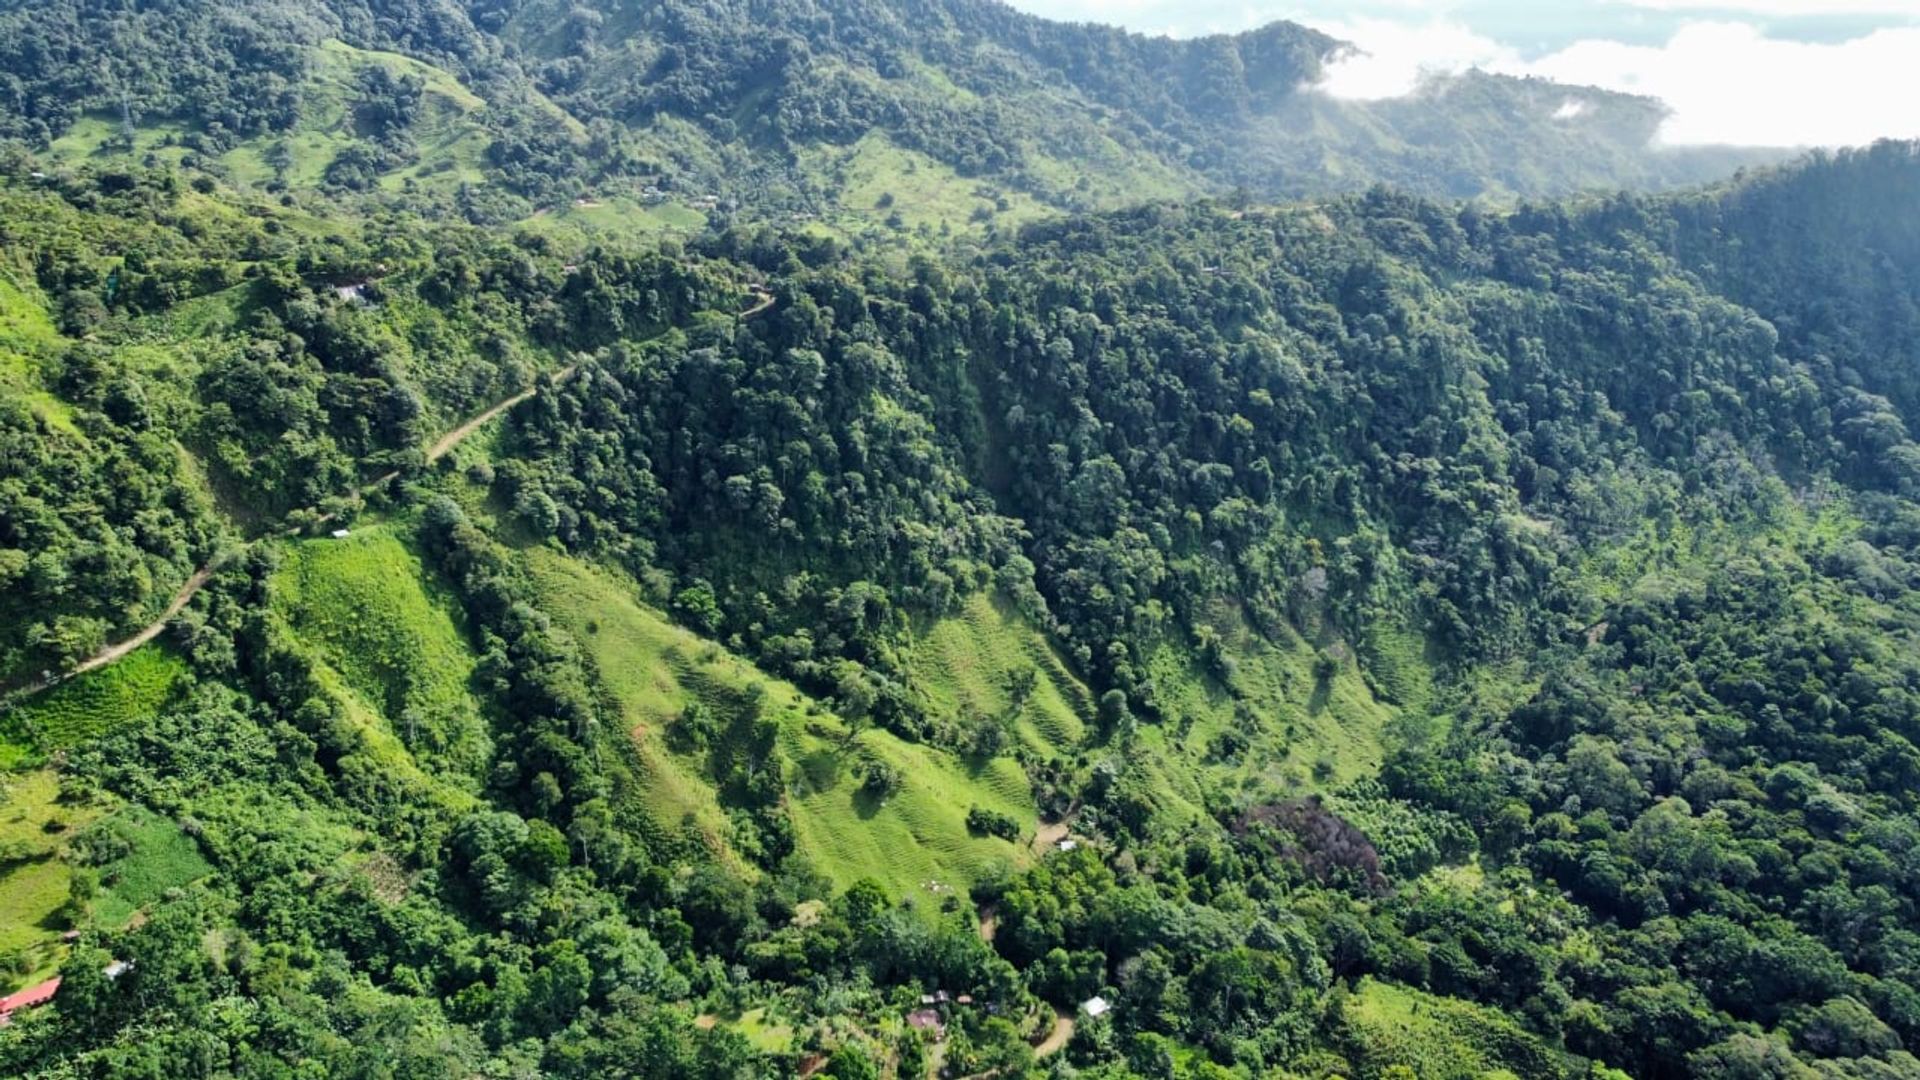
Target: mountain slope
{"x":1002,"y":95}
{"x":766,"y":106}
{"x":1391,"y":609}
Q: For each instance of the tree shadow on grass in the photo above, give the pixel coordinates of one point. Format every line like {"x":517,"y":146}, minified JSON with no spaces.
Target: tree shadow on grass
{"x":1322,"y":694}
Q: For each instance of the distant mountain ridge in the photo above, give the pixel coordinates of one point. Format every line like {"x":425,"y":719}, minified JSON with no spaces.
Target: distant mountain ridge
{"x":809,"y":106}
{"x":1231,"y":109}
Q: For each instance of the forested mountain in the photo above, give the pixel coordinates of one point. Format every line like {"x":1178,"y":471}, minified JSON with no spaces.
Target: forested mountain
{"x":1348,"y":638}
{"x":871,"y":539}
{"x":871,"y":113}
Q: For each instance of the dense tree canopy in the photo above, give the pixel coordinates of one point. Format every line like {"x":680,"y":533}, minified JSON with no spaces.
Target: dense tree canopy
{"x":1579,"y":540}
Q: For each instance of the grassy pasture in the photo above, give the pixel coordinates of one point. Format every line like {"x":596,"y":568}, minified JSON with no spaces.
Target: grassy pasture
{"x":915,"y":842}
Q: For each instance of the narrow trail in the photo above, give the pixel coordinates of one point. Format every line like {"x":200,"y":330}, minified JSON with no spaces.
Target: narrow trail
{"x":446,"y":443}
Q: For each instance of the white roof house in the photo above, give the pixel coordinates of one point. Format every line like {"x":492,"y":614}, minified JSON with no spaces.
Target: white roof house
{"x":1096,"y":1006}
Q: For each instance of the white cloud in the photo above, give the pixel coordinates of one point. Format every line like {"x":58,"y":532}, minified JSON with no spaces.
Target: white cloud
{"x":1726,"y":82}
{"x":1784,"y":8}
{"x":1159,"y":17}
{"x":1392,"y":58}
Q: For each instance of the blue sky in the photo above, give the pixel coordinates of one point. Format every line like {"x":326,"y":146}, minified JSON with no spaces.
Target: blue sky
{"x":1748,"y":72}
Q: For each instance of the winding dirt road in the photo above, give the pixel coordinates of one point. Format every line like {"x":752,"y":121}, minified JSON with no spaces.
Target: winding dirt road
{"x":444,"y":445}
{"x":440,"y":448}
{"x":179,"y":603}
{"x":119,"y":649}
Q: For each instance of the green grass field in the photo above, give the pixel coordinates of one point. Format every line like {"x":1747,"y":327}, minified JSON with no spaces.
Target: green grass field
{"x":162,"y":858}
{"x":202,"y":317}
{"x":449,"y":139}
{"x":923,"y":190}
{"x":639,"y":656}
{"x":33,"y":888}
{"x":90,"y":705}
{"x":969,"y":665}
{"x":916,"y":842}
{"x":1440,"y":1038}
{"x":612,"y":218}
{"x":366,"y":606}
{"x":28,"y":339}
{"x":653,"y":670}
{"x":1303,"y":731}
{"x":766,"y":1034}
{"x":1277,"y":730}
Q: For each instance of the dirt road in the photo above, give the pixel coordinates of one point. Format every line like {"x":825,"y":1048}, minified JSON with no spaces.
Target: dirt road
{"x":180,"y":601}
{"x":440,"y":448}
{"x":119,"y":649}
{"x":444,"y":444}
{"x":1058,"y":1038}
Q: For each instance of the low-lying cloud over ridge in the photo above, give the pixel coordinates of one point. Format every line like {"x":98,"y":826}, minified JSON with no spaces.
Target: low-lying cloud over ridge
{"x":1726,"y":82}
{"x":1776,"y":73}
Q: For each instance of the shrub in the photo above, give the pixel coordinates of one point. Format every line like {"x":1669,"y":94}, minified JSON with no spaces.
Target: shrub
{"x":984,"y":822}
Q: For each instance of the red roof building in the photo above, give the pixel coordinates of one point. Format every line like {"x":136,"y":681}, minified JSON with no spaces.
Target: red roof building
{"x":32,"y":995}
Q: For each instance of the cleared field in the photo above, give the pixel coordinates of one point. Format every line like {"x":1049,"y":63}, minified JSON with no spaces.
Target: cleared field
{"x":159,"y":857}
{"x":90,"y":705}
{"x":449,"y":140}
{"x":34,"y":878}
{"x":987,"y":661}
{"x":638,"y":657}
{"x":366,"y":606}
{"x":1439,"y":1038}
{"x":877,"y":180}
{"x":614,"y":217}
{"x":1301,"y":729}
{"x":766,"y":1034}
{"x":27,"y":338}
{"x":914,"y":842}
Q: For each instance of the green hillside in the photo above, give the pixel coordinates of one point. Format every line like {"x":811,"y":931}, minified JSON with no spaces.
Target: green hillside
{"x":954,"y":115}
{"x":366,"y":608}
{"x":78,"y":861}
{"x":37,"y":877}
{"x":655,"y":672}
{"x":90,"y":705}
{"x":987,"y":661}
{"x":1390,"y":1026}
{"x":703,"y":540}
